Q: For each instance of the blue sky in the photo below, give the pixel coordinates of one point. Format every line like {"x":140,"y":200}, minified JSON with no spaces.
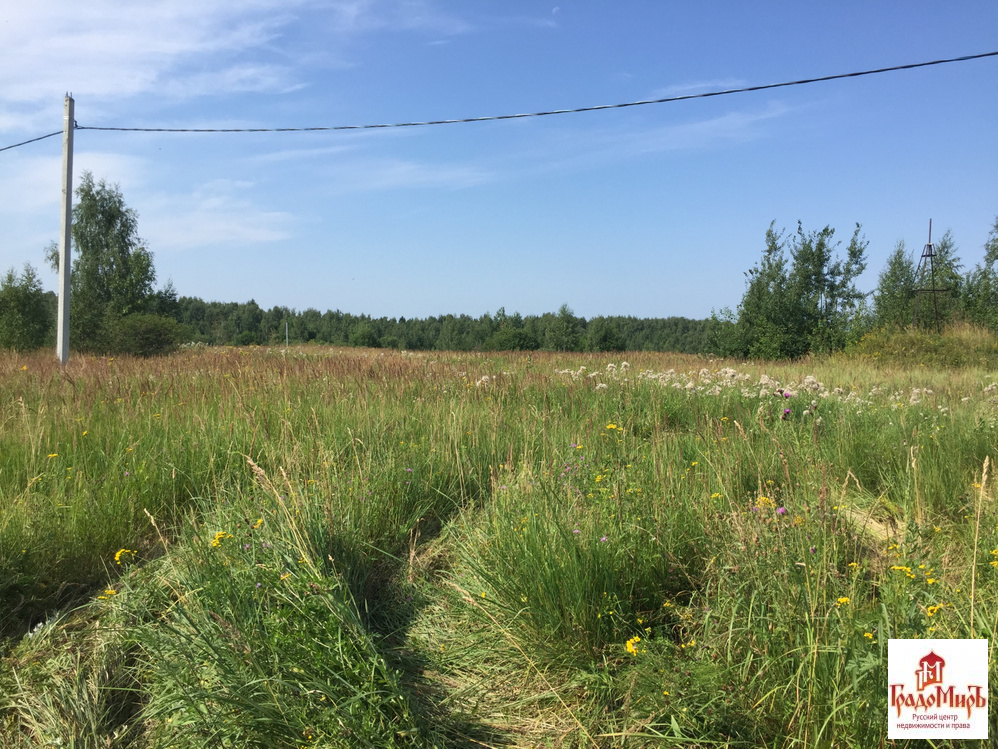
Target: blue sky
{"x":649,"y":211}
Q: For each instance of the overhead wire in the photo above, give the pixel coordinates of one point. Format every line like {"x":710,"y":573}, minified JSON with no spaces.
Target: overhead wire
{"x":493,"y":118}
{"x":26,"y":142}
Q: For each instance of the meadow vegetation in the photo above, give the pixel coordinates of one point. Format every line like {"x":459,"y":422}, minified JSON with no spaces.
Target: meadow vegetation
{"x":332,"y":547}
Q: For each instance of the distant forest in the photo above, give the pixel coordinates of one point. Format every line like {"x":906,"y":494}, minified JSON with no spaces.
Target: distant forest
{"x":218,"y":323}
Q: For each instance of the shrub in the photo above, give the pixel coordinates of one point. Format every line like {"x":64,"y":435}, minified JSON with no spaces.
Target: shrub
{"x":511,"y":339}
{"x":144,"y":335}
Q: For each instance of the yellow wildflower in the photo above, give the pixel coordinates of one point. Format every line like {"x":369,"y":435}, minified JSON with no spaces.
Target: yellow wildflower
{"x":219,"y":537}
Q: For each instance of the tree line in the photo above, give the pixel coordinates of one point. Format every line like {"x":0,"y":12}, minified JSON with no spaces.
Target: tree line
{"x":247,"y":323}
{"x":801,"y":297}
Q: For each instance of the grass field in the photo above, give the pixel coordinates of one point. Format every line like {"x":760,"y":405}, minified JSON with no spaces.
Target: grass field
{"x":346,"y":548}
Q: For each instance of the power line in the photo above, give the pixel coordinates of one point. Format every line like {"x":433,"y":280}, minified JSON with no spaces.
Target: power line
{"x":493,"y":118}
{"x":577,"y":110}
{"x":26,"y":142}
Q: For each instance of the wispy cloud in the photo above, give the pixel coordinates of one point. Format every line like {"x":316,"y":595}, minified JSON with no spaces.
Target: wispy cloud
{"x":732,"y":127}
{"x":301,"y":154}
{"x":106,"y":51}
{"x":215,"y":214}
{"x":243,"y":78}
{"x":566,"y":149}
{"x":697,"y":87}
{"x":34,"y":183}
{"x":364,"y":16}
{"x":102,"y":48}
{"x":365,"y":175}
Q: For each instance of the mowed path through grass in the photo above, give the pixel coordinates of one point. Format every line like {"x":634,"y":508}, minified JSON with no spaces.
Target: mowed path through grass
{"x":339,"y":547}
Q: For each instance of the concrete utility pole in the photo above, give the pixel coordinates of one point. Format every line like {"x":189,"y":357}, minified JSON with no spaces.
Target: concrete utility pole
{"x":66,"y":234}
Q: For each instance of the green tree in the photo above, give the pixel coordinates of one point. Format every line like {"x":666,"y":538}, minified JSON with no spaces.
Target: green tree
{"x":112,"y":271}
{"x":823,"y":288}
{"x":894,"y":297}
{"x":809,"y":304}
{"x":767,"y":321}
{"x":980,"y":286}
{"x":564,"y":333}
{"x":364,"y":335}
{"x":602,"y":334}
{"x":25,"y":316}
{"x":509,"y":334}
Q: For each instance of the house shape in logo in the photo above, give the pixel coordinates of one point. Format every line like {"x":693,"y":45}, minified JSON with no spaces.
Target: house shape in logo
{"x":930,"y":671}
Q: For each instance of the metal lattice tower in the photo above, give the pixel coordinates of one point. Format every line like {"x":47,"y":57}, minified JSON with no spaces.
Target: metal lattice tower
{"x":927,"y":267}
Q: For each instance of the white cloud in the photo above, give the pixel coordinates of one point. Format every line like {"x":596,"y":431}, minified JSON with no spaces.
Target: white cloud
{"x":391,"y":174}
{"x":32,"y":185}
{"x":106,"y":51}
{"x":242,"y":78}
{"x":105,"y":48}
{"x":127,"y":171}
{"x":362,"y":16}
{"x":214,"y":214}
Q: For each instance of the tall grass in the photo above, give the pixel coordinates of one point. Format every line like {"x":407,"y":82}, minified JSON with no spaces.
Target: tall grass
{"x":326,"y":547}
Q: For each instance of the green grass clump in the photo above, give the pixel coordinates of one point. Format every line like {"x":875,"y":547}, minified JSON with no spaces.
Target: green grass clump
{"x":958,"y":345}
{"x":240,"y":634}
{"x":262,"y":645}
